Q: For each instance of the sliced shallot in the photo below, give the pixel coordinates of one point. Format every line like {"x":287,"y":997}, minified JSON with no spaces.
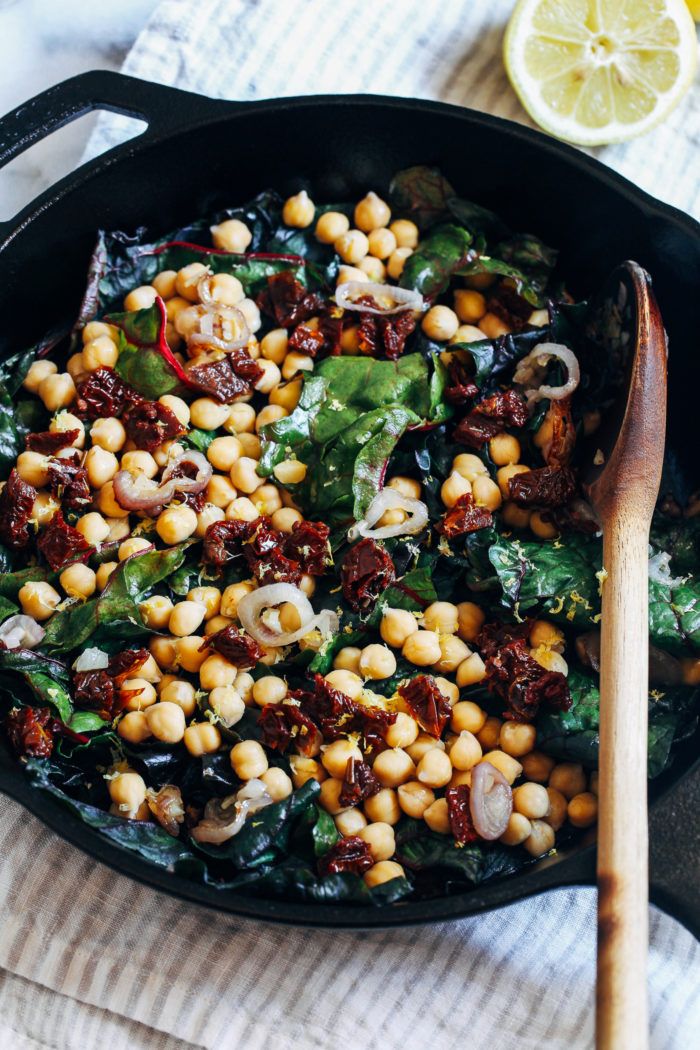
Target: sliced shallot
{"x":21,"y":632}
{"x":224,"y":818}
{"x":390,"y":499}
{"x":388,"y":298}
{"x":490,"y":801}
{"x":252,"y":608}
{"x":137,"y":492}
{"x":220,"y":326}
{"x":92,"y":659}
{"x":531,"y":371}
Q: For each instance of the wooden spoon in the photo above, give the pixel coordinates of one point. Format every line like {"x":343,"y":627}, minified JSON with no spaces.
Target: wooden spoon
{"x":622,"y":486}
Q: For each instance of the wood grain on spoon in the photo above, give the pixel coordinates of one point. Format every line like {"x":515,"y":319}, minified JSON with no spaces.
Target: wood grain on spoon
{"x":623,"y":490}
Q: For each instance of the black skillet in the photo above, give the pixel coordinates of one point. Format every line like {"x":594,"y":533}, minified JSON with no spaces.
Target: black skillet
{"x":339,"y":147}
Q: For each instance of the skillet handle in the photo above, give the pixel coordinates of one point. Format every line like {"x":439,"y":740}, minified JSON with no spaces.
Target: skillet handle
{"x":163,"y":108}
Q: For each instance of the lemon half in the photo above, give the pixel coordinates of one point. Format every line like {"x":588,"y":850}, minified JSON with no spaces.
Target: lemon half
{"x":599,"y":71}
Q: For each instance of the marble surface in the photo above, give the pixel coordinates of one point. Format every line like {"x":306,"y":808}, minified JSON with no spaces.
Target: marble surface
{"x":41,"y":43}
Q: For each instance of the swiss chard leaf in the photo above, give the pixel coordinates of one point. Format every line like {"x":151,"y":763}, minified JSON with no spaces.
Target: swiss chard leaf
{"x":423,"y":194}
{"x":199,"y":439}
{"x":419,"y":850}
{"x":441,"y":254}
{"x":145,"y":360}
{"x":7,"y":608}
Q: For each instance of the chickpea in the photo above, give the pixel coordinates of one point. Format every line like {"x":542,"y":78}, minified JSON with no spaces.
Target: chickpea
{"x":269,"y":690}
{"x":176,"y":524}
{"x":422,"y":648}
{"x":465,"y":751}
{"x":78,"y":580}
{"x":233,"y":594}
{"x":187,"y":281}
{"x":352,"y":246}
{"x":543,"y":632}
{"x":304,"y":769}
{"x":437,"y":817}
{"x":345,"y":274}
{"x":335,"y":757}
{"x":486,"y":493}
{"x":99,"y":353}
{"x":537,"y":766}
{"x":350,"y":821}
{"x":273,"y":346}
{"x":108,"y":433}
{"x":44,"y":508}
{"x":403,"y":732}
{"x":223,"y":452}
{"x":104,"y":573}
{"x":454,"y":653}
{"x":379,"y":836}
{"x":64,"y":421}
{"x":448,"y":689}
{"x":505,"y":764}
{"x":155,"y":611}
{"x":371,"y":213}
{"x":186,"y":617}
{"x":290,"y":472}
{"x":440,"y":323}
{"x":133,"y":726}
{"x":377,"y":662}
{"x":346,"y":682}
{"x":467,"y":717}
{"x":330,"y":226}
{"x":423,"y":743}
{"x":298,"y":210}
{"x":251,"y":445}
{"x":348,"y":659}
{"x":531,"y":800}
{"x":286,"y":394}
{"x":138,"y":462}
{"x":441,"y":617}
{"x":107,"y":502}
{"x":583,"y":810}
{"x":38,"y":371}
{"x":434,"y":768}
{"x":57,"y":391}
{"x":127,"y":791}
{"x":469,"y":466}
{"x":38,"y":599}
{"x":540,"y":840}
{"x":405,"y":232}
{"x":383,"y":807}
{"x":467,"y":333}
{"x":569,"y":778}
{"x":215,"y":671}
{"x":189,"y":654}
{"x":180,"y":692}
{"x":132,"y":546}
{"x":550,"y":660}
{"x":137,"y":694}
{"x":373,"y":268}
{"x":544,"y":530}
{"x":453,"y":487}
{"x":33,"y":467}
{"x":278,"y":784}
{"x":329,"y":796}
{"x":492,"y":326}
{"x":471,"y":671}
{"x":244,"y":687}
{"x":504,"y":474}
{"x":470,"y":306}
{"x":208,"y":414}
{"x":101,"y":466}
{"x":397,"y":261}
{"x":164,"y":652}
{"x":383,"y":871}
{"x":504,"y":449}
{"x":209,"y":597}
{"x":382,"y":243}
{"x":393,"y":767}
{"x":166,"y":722}
{"x":164,"y":283}
{"x":244,"y":476}
{"x":489,"y":734}
{"x":202,"y":738}
{"x":396,"y":626}
{"x":516,"y":738}
{"x":269,"y":414}
{"x":226,"y":289}
{"x":231,"y":235}
{"x":557,"y":808}
{"x":514,"y":516}
{"x":220,"y":491}
{"x":290,"y":620}
{"x":470,"y":620}
{"x":539,"y":318}
{"x":517,"y":830}
{"x":140,"y":298}
{"x":414,"y":798}
{"x":285,"y":519}
{"x":593,"y":783}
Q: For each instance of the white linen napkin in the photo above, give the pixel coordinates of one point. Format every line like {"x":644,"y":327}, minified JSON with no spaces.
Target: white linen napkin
{"x":89,"y":958}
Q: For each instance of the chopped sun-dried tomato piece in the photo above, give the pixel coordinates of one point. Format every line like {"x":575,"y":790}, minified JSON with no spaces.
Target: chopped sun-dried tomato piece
{"x":30,"y":730}
{"x":388,"y":335}
{"x":429,"y":707}
{"x":228,"y":378}
{"x":288,"y":301}
{"x":16,"y":503}
{"x":514,"y":675}
{"x":60,"y":543}
{"x":264,"y":554}
{"x":48,"y":442}
{"x":461,"y":823}
{"x":148,"y":424}
{"x":559,"y":447}
{"x":235,"y":645}
{"x":543,"y":487}
{"x":308,"y":544}
{"x":331,"y":328}
{"x":68,"y":482}
{"x":126,"y":664}
{"x":359,"y":783}
{"x":223,"y":541}
{"x":96,"y":691}
{"x":337,"y":715}
{"x":460,"y":385}
{"x":510,"y":307}
{"x":285,"y":723}
{"x":195,"y":500}
{"x":367,"y":570}
{"x":465,"y":516}
{"x":306,"y":340}
{"x":491,"y":416}
{"x":351,"y":854}
{"x":104,"y":393}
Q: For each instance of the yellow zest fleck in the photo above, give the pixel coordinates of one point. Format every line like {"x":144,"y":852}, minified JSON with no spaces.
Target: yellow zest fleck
{"x":601,"y":578}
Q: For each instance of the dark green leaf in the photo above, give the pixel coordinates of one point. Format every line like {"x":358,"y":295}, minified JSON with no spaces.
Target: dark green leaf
{"x":199,"y":439}
{"x":441,"y":254}
{"x":7,"y":608}
{"x":418,"y":849}
{"x":145,"y":360}
{"x":323,"y":831}
{"x":87,"y":722}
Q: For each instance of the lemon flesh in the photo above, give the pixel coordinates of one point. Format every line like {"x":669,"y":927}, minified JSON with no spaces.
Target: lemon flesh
{"x":599,"y":71}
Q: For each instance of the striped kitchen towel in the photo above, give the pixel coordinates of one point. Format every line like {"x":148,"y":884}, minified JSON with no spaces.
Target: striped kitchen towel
{"x":89,"y":958}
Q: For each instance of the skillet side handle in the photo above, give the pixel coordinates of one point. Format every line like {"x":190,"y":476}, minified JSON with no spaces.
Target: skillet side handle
{"x":163,"y":108}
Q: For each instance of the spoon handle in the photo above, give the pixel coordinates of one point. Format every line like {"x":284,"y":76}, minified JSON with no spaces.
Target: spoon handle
{"x":623,"y":881}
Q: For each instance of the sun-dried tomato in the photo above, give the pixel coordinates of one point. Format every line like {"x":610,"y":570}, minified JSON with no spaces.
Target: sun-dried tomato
{"x":577,"y":515}
{"x":288,"y":301}
{"x":366,"y":572}
{"x":265,"y":557}
{"x":331,"y":327}
{"x":337,"y":715}
{"x":490,"y":417}
{"x":514,"y":675}
{"x":543,"y":487}
{"x":351,"y":854}
{"x":511,"y":307}
{"x":48,"y":442}
{"x":461,"y":823}
{"x":194,"y":500}
{"x":359,"y":783}
{"x":460,"y":386}
{"x":308,"y":544}
{"x":235,"y":646}
{"x":559,"y":447}
{"x":465,"y":516}
{"x":126,"y":664}
{"x":377,"y":334}
{"x":306,"y":340}
{"x":96,"y":691}
{"x":68,"y":482}
{"x":60,"y":543}
{"x":104,"y":393}
{"x":228,"y":378}
{"x":223,"y":541}
{"x":148,"y":424}
{"x":285,"y":723}
{"x":428,"y":705}
{"x":30,"y":730}
{"x":16,"y":503}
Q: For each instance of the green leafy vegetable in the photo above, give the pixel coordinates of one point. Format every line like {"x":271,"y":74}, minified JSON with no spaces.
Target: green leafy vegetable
{"x":145,"y":360}
{"x":418,"y":850}
{"x":440,"y":255}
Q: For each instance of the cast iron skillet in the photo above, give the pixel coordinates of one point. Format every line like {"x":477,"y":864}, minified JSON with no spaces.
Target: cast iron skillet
{"x":339,"y":147}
